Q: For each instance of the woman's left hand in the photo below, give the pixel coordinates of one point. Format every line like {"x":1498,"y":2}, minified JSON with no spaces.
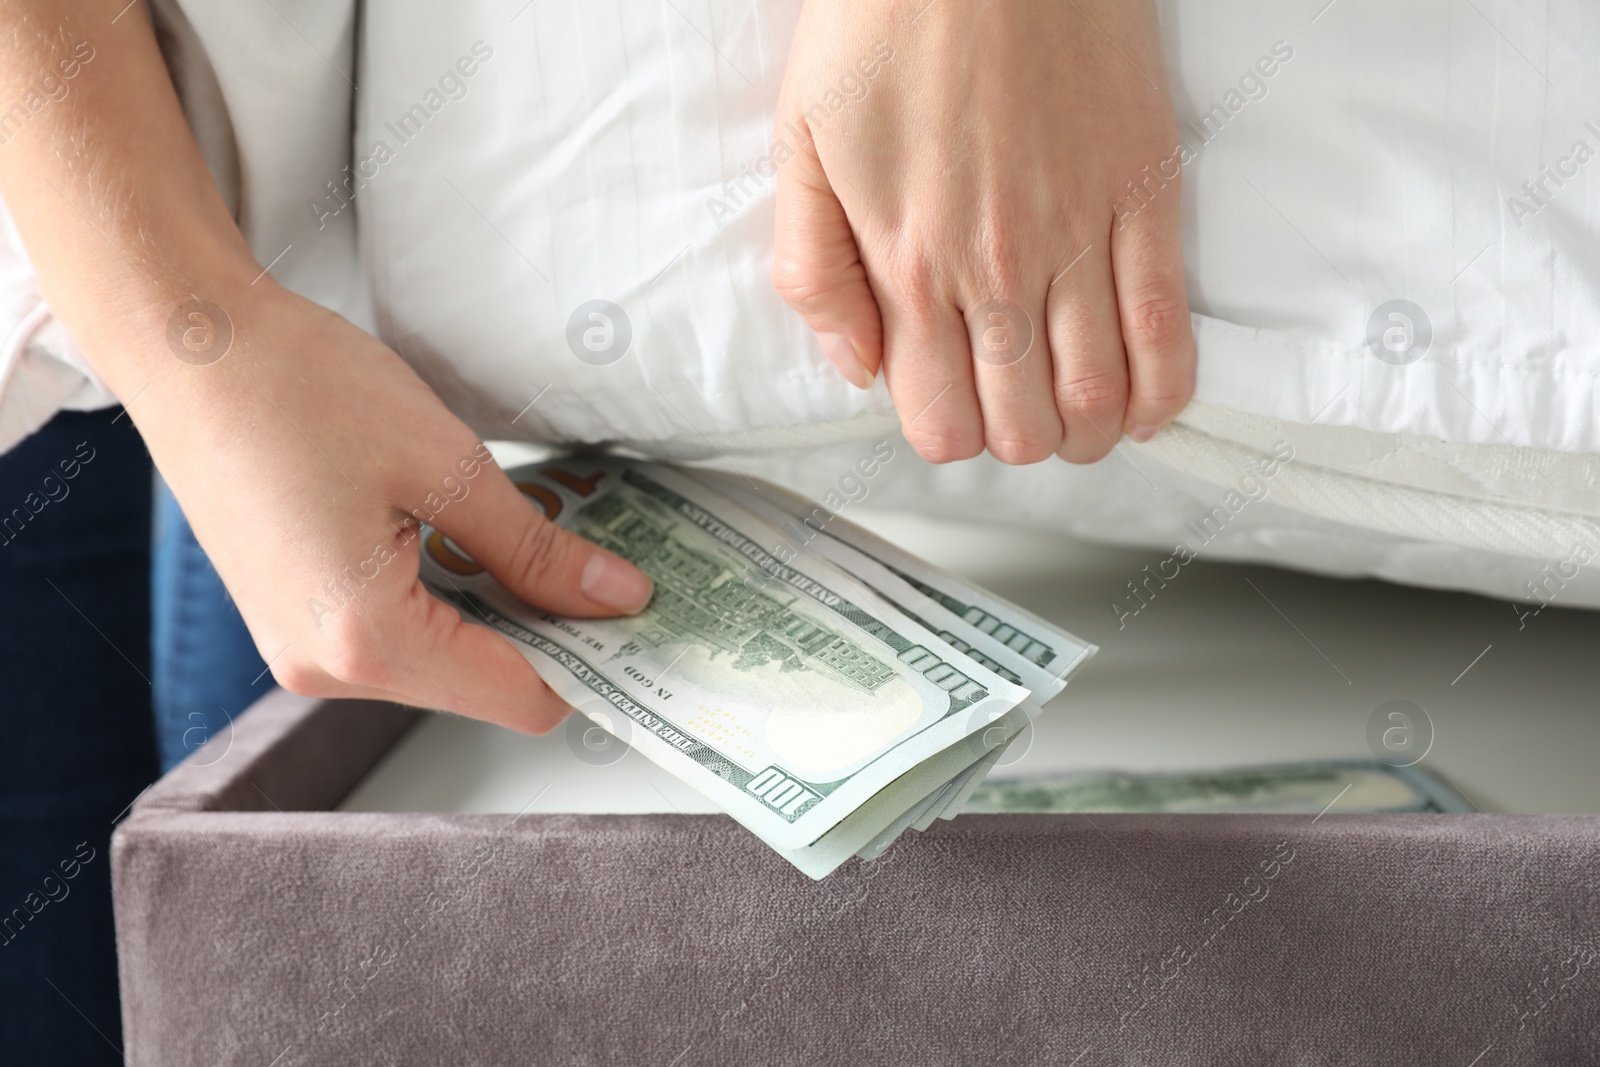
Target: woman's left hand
{"x":983,"y":198}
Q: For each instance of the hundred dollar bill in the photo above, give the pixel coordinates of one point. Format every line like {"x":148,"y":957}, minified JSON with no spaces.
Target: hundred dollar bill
{"x":988,"y":746}
{"x":1289,"y":788}
{"x":954,"y":797}
{"x":801,"y":523}
{"x":786,"y":692}
{"x":909,"y":820}
{"x":767,"y":502}
{"x":870,"y":831}
{"x":1039,"y":642}
{"x":945,"y":802}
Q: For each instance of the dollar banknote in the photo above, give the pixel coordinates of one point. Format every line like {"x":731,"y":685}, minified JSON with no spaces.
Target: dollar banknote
{"x":1011,"y":641}
{"x":869,"y":832}
{"x":989,"y":623}
{"x":1342,"y":786}
{"x":793,"y":515}
{"x":788,"y":691}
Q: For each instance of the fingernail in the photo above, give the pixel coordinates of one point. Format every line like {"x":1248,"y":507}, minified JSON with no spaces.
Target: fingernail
{"x":614,"y":582}
{"x":842,"y":354}
{"x":1142,"y":434}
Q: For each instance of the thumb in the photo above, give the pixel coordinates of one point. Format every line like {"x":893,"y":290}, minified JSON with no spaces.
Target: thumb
{"x":544,"y":564}
{"x":817,"y":269}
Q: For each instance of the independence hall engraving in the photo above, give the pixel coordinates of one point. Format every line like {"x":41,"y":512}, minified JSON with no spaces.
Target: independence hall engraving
{"x":701,"y":598}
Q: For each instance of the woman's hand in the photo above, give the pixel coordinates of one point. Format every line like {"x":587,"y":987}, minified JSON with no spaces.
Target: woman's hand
{"x":303,"y":459}
{"x":297,"y":444}
{"x":983,"y":197}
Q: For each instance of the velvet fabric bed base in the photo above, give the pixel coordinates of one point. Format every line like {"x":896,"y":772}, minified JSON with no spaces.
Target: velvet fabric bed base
{"x":256,"y":927}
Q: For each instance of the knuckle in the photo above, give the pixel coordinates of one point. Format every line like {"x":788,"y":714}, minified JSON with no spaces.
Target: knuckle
{"x":808,"y":288}
{"x":1157,"y":318}
{"x":1000,"y":271}
{"x":300,"y":676}
{"x":1163,"y":404}
{"x":913,"y":283}
{"x":938,"y":445}
{"x":535,"y":553}
{"x":1021,"y":448}
{"x":1095,"y":396}
{"x":796,"y":282}
{"x":353,"y":655}
{"x":1085,"y":446}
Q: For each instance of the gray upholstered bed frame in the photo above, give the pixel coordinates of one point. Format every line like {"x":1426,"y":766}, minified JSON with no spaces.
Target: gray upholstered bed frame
{"x":258,"y":927}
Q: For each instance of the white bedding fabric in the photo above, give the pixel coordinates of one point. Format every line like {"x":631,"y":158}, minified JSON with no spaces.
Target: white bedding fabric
{"x":1384,"y":158}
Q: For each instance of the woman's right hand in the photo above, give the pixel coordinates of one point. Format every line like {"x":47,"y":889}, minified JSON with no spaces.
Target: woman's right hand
{"x":303,"y":458}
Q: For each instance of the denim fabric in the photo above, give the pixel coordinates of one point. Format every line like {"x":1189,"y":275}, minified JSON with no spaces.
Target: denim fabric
{"x":75,"y":711}
{"x":207,"y":669}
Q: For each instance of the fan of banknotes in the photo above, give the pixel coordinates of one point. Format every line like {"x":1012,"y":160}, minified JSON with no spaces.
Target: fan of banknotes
{"x":1312,"y":787}
{"x":826,"y":689}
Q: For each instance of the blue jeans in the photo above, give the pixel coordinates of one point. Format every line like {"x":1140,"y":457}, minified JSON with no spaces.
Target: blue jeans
{"x":206,"y":668}
{"x":75,"y":712}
